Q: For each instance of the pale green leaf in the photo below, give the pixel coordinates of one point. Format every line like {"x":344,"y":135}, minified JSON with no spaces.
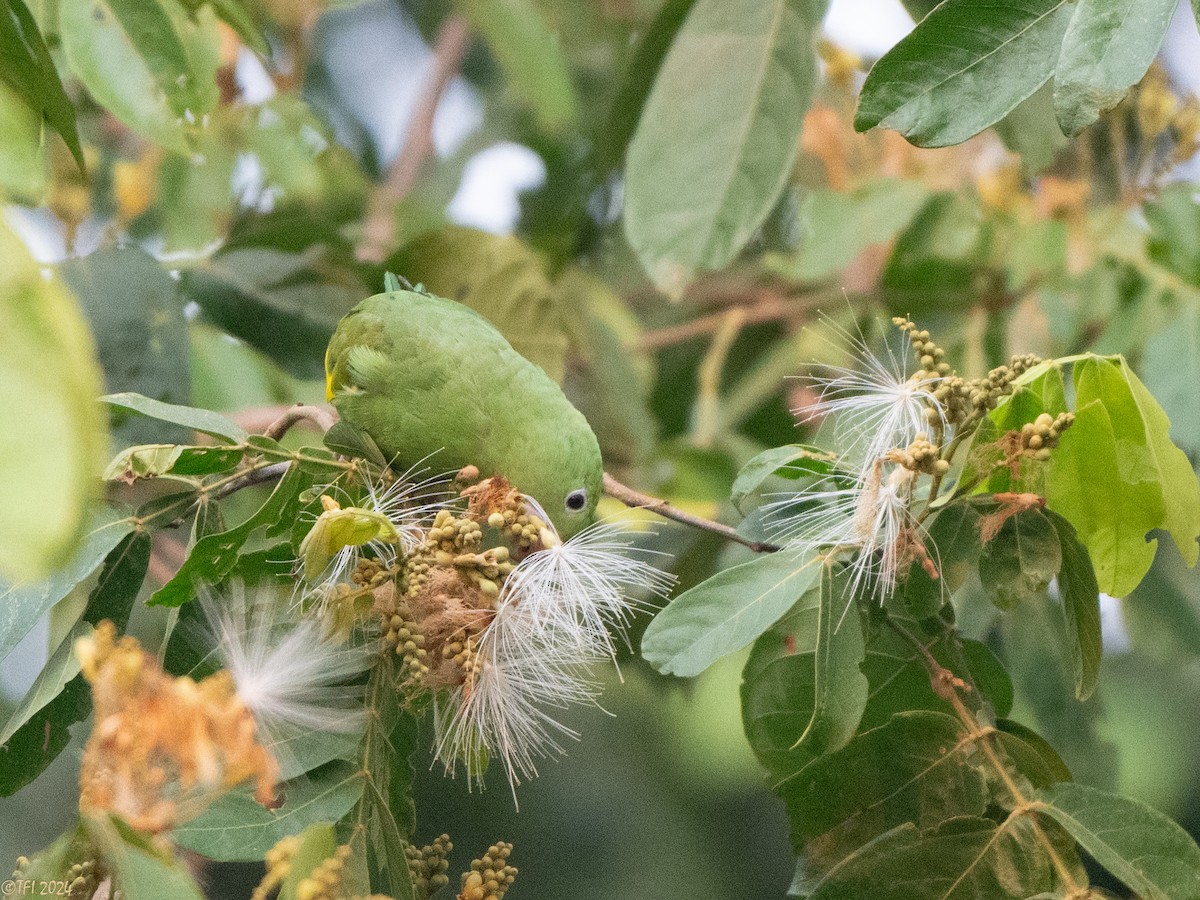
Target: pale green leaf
{"x":1108,"y":47}
{"x":836,"y":226}
{"x":1143,"y":848}
{"x":530,"y":55}
{"x":739,"y":122}
{"x":318,"y":842}
{"x":146,"y":61}
{"x":963,"y":68}
{"x":1032,"y":131}
{"x":141,"y":870}
{"x":1171,"y":365}
{"x":53,"y":445}
{"x":727,"y":612}
{"x":23,"y":162}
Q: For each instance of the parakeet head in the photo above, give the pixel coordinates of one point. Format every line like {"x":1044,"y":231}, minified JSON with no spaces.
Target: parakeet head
{"x":569,"y":498}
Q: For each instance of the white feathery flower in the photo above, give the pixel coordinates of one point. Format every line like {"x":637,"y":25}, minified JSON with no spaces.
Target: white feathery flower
{"x":554,"y":618}
{"x":589,"y":585}
{"x":288,"y":670}
{"x":506,"y":710}
{"x":865,"y":511}
{"x":875,"y":406}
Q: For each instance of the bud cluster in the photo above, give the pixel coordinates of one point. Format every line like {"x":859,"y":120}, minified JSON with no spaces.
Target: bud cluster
{"x":325,"y":881}
{"x":428,"y":866}
{"x":490,"y":876}
{"x":1041,"y":435}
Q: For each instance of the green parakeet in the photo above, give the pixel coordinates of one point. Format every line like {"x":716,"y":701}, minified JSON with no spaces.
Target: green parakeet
{"x":430,"y":378}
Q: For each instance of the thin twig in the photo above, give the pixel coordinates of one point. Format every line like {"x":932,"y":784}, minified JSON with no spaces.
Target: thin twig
{"x":448,"y":51}
{"x":322,"y":418}
{"x":638,"y":500}
{"x":769,"y":307}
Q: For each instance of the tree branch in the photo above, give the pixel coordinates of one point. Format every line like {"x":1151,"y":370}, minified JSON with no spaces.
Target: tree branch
{"x":448,"y":51}
{"x":638,"y":500}
{"x":322,"y":418}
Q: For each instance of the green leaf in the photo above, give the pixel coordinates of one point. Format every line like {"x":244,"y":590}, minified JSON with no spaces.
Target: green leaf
{"x":954,"y":535}
{"x":1031,"y":130}
{"x":318,"y":842}
{"x":1121,"y":439}
{"x":935,"y":261}
{"x":1031,"y":754}
{"x":636,"y":81}
{"x":237,"y":828}
{"x":530,"y":55}
{"x":214,"y":557}
{"x":140,"y":870}
{"x":964,"y":67}
{"x":791,"y":461}
{"x":233,"y":13}
{"x":1021,"y":559}
{"x":54,"y":439}
{"x":285,"y":304}
{"x":501,"y":279}
{"x":835,"y":227}
{"x":1148,"y":852}
{"x":727,"y":612}
{"x":21,"y":605}
{"x":961,"y":859}
{"x":346,"y":439}
{"x":40,"y":728}
{"x":1107,"y":49}
{"x":146,"y":61}
{"x":196,"y":419}
{"x":802,"y":691}
{"x":29,"y":71}
{"x":740,"y":121}
{"x":917,"y":768}
{"x":136,"y":313}
{"x":24,"y":168}
{"x":1081,"y":606}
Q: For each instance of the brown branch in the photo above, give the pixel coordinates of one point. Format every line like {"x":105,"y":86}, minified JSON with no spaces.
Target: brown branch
{"x":766,"y":308}
{"x":638,"y":500}
{"x":448,"y":51}
{"x":322,"y":418}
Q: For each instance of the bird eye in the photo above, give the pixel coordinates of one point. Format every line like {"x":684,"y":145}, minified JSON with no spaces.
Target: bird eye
{"x":576,"y":500}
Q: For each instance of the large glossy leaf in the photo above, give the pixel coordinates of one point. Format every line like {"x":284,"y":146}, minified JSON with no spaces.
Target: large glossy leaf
{"x":1032,"y":131}
{"x":54,"y":440}
{"x":961,"y":859}
{"x":237,"y":828}
{"x":1108,"y":47}
{"x":740,"y":122}
{"x":28,"y":70}
{"x":964,"y":67}
{"x":727,"y":612}
{"x":530,"y":55}
{"x":1148,"y":852}
{"x":146,"y":61}
{"x":501,"y":279}
{"x":802,"y":691}
{"x":136,"y":313}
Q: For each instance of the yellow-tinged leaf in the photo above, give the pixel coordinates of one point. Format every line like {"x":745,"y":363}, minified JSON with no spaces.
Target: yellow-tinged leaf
{"x":55,"y":438}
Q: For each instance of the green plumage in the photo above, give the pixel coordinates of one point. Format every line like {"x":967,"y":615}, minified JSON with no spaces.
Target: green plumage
{"x":429,"y":378}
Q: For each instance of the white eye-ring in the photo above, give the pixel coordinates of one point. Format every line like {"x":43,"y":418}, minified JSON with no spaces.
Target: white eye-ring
{"x":576,"y":500}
